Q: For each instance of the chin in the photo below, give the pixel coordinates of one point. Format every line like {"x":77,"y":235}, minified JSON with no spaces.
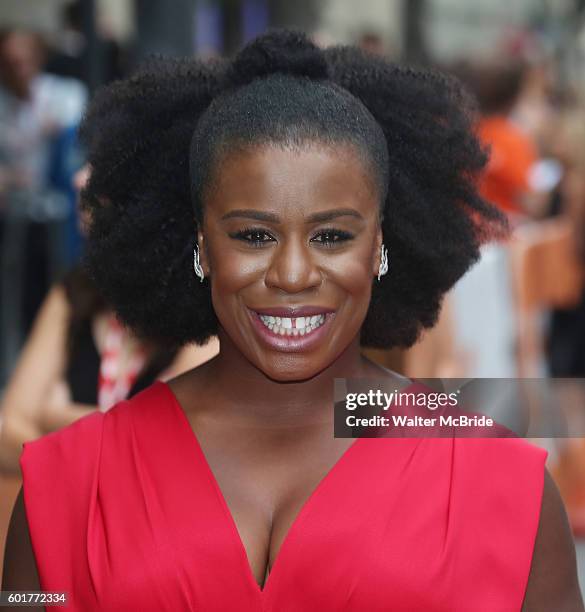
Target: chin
{"x":287,"y":368}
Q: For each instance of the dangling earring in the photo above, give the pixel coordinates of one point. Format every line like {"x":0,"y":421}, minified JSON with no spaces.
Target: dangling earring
{"x":196,"y":265}
{"x":383,"y":269}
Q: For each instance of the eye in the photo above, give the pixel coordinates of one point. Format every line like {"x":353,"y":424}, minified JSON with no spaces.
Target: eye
{"x":331,"y":237}
{"x":254,"y":236}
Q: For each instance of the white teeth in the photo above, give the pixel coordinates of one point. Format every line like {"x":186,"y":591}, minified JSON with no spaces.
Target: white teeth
{"x":297,"y":326}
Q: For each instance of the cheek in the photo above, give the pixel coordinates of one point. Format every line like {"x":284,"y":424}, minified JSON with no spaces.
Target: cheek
{"x":352,"y":270}
{"x":349,"y":277}
{"x":232,"y":272}
{"x":232,"y":269}
{"x":232,"y":266}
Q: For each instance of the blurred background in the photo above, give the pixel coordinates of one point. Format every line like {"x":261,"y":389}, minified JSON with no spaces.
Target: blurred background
{"x":520,"y":312}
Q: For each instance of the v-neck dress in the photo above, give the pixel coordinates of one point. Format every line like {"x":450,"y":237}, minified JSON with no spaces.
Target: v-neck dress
{"x":125,"y":514}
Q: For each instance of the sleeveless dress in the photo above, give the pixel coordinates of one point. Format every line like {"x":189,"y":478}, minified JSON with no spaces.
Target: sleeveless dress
{"x":125,"y":514}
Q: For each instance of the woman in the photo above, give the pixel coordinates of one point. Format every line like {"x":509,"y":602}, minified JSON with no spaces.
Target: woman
{"x":77,"y":359}
{"x":566,"y":340}
{"x":334,"y":200}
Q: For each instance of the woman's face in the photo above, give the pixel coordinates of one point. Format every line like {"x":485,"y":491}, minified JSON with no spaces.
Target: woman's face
{"x":290,"y":242}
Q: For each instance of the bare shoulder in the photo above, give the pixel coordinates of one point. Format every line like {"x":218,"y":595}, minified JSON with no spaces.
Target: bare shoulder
{"x":20,"y":570}
{"x":553,"y":583}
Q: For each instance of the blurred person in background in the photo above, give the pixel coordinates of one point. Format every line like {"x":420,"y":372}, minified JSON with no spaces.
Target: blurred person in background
{"x":533,"y":109}
{"x":67,"y":52}
{"x":565,"y":344}
{"x":566,"y":340}
{"x":515,"y":179}
{"x":35,"y":109}
{"x":78,"y":359}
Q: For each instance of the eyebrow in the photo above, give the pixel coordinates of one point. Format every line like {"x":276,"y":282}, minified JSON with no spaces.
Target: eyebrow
{"x":318,"y":217}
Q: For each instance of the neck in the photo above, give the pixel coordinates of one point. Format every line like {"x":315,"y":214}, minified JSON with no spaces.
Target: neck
{"x":245,"y":394}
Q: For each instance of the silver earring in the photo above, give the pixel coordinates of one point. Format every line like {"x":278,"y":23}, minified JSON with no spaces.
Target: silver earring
{"x":383,"y":269}
{"x":196,"y":265}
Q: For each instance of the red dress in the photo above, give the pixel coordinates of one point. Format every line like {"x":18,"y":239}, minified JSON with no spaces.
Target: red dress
{"x":125,"y":514}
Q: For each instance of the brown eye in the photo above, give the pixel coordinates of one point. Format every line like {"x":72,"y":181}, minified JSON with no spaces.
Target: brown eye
{"x":253,"y":236}
{"x":331,"y":237}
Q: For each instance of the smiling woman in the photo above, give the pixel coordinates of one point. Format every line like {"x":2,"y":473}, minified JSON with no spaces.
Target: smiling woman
{"x":298,"y":203}
{"x":312,"y":251}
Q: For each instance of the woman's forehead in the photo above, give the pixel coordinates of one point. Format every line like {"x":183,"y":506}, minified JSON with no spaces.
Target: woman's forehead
{"x":287,"y":179}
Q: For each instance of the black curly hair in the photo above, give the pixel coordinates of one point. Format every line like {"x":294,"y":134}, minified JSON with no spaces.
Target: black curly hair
{"x":154,"y":139}
{"x":285,"y":109}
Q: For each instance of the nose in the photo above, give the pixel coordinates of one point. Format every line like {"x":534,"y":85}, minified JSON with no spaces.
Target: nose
{"x":293,"y":268}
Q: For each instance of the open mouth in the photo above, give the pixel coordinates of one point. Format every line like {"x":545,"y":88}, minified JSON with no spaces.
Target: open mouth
{"x":295,"y":326}
{"x":292,"y":329}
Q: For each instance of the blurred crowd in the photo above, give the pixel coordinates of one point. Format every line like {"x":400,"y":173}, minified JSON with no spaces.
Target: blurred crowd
{"x":519,"y":312}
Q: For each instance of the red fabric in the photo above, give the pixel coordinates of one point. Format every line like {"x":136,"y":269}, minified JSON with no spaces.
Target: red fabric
{"x":125,"y":514}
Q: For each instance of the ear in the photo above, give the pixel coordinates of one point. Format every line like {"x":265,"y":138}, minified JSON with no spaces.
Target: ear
{"x":203,"y":257}
{"x":376,"y":254}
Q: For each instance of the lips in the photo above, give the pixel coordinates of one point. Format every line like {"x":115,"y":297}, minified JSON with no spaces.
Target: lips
{"x":293,"y":311}
{"x":292,"y":329}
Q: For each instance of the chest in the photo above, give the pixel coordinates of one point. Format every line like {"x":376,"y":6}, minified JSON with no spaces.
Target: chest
{"x":392,"y":524}
{"x":263,"y":493}
{"x":252,"y":537}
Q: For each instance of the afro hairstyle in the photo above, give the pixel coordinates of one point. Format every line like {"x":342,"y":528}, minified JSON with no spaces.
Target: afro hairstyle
{"x":152,"y":140}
